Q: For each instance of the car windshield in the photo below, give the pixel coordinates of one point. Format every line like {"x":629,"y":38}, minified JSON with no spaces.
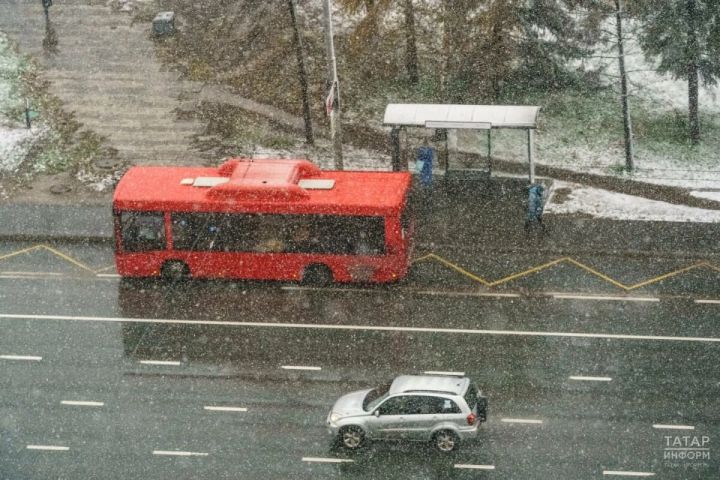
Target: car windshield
{"x":375,"y":397}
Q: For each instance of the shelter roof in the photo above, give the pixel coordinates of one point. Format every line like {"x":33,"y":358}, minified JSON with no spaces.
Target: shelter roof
{"x":463,"y":116}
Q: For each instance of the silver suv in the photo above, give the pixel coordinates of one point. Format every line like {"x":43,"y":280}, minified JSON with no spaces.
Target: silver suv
{"x":442,"y":410}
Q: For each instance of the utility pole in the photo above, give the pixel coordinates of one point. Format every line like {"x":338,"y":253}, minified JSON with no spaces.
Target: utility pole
{"x":334,"y":89}
{"x":627,"y":127}
{"x":300,"y":54}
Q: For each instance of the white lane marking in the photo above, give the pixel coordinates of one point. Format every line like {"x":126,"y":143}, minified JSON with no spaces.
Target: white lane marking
{"x":298,"y":288}
{"x":225,"y":409}
{"x":570,"y":296}
{"x":107,"y":275}
{"x":178,"y":453}
{"x":465,"y":294}
{"x":326,"y":460}
{"x":707,"y":301}
{"x":160,"y":362}
{"x":31,"y":358}
{"x":56,"y":448}
{"x":661,"y":426}
{"x":474,"y":467}
{"x":299,"y":367}
{"x":82,"y":403}
{"x":521,"y":420}
{"x":628,"y":474}
{"x":368,"y":328}
{"x":449,"y":374}
{"x":590,"y":379}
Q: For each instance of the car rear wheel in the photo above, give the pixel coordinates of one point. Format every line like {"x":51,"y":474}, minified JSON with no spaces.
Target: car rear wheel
{"x":318,"y":275}
{"x":446,"y":441}
{"x":352,"y":437}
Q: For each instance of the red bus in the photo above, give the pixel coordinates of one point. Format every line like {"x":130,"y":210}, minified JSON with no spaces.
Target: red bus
{"x":264,"y":220}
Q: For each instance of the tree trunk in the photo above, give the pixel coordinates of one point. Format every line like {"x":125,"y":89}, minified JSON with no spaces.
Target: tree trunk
{"x":692,"y":55}
{"x":300,"y":54}
{"x":627,"y":127}
{"x":411,"y":58}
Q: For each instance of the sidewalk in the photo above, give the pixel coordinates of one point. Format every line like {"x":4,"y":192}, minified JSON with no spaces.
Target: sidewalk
{"x":470,"y":217}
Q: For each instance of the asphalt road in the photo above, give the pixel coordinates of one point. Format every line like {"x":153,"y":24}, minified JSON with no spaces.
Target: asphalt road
{"x":150,"y":357}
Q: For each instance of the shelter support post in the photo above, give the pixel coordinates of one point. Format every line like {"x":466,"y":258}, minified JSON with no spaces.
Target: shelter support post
{"x":489,"y":152}
{"x":395,"y":148}
{"x":531,"y":160}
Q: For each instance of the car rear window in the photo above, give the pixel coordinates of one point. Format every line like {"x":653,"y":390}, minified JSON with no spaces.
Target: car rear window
{"x":471,"y":396}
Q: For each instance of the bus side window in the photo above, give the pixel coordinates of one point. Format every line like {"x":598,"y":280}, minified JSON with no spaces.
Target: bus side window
{"x":143,"y":231}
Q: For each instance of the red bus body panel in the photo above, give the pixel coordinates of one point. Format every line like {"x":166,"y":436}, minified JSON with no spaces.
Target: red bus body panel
{"x":266,"y":187}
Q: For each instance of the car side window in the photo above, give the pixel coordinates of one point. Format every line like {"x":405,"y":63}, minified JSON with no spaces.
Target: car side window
{"x":440,"y":405}
{"x":392,"y":406}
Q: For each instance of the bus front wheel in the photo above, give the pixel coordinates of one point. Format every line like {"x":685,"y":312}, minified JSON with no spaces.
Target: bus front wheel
{"x":174,"y":270}
{"x":318,"y":275}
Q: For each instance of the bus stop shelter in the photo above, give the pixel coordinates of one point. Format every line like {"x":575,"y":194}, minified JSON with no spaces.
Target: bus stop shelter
{"x":473,"y":117}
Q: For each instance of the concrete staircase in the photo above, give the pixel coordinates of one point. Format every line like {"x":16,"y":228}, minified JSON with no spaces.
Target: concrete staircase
{"x":105,"y":70}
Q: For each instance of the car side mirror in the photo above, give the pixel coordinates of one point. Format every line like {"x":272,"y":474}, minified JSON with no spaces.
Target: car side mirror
{"x":377,"y":413}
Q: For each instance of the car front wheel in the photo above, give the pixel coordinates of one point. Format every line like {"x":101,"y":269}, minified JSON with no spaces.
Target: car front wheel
{"x":352,"y":437}
{"x":446,"y":441}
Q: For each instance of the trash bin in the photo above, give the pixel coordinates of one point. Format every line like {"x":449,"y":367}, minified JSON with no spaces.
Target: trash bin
{"x":163,"y":24}
{"x":535,"y":205}
{"x":424,"y":165}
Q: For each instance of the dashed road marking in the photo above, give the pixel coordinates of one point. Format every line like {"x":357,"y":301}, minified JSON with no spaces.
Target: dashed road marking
{"x":225,"y":409}
{"x":300,"y":367}
{"x":327,"y":460}
{"x":474,"y":467}
{"x":30,"y":358}
{"x":173,"y":363}
{"x":569,"y":296}
{"x":628,"y":474}
{"x":31,"y":274}
{"x":54,"y":448}
{"x":107,"y":275}
{"x":82,"y":403}
{"x":522,"y":420}
{"x":661,"y":426}
{"x":590,"y":379}
{"x":178,"y":453}
{"x":366,"y":328}
{"x":707,"y":301}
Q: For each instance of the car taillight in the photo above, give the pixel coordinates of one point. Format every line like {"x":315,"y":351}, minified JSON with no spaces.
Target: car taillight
{"x":471,"y":419}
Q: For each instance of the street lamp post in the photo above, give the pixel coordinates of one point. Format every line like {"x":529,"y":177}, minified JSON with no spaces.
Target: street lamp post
{"x":46,"y":6}
{"x":334,"y":89}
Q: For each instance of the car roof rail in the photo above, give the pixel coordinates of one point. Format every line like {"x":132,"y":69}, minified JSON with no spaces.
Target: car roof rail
{"x":442,"y":392}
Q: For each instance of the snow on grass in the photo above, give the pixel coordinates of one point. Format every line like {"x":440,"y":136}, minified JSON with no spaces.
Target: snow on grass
{"x":15,"y":139}
{"x":582,"y":131}
{"x":14,"y":145}
{"x":571,"y":198}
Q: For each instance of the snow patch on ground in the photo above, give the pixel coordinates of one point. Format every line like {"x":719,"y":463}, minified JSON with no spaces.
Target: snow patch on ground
{"x":14,"y":145}
{"x":572,"y":198}
{"x":710,"y":195}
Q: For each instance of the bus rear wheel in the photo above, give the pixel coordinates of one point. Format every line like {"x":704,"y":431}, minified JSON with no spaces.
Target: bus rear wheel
{"x":318,"y":275}
{"x":174,"y":270}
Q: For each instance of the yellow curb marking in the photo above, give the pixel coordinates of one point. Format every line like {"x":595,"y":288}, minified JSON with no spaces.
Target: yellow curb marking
{"x":443,"y":261}
{"x":57,"y":253}
{"x":567,"y":260}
